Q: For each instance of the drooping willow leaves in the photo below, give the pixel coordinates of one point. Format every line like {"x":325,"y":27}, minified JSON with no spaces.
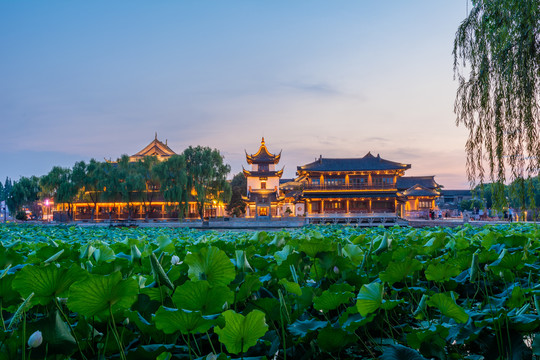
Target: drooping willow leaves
{"x":497,"y":63}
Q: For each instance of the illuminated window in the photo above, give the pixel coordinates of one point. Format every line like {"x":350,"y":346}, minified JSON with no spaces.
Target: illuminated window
{"x":263,"y":167}
{"x":263,"y":184}
{"x":263,"y":211}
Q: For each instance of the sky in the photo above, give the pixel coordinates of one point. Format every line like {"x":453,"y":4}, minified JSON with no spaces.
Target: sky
{"x":97,"y":79}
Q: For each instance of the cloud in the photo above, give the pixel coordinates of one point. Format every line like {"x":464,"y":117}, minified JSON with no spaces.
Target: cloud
{"x":319,"y":88}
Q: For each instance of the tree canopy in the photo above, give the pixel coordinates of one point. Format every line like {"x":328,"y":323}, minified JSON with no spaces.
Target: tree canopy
{"x":497,"y":63}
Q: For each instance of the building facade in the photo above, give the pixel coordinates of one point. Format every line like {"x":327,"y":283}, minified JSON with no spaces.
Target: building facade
{"x":263,"y":198}
{"x":363,"y":186}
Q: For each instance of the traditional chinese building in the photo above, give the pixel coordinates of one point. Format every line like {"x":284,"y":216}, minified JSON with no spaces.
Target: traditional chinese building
{"x":367,"y":185}
{"x":263,"y":198}
{"x":145,"y":206}
{"x":156,"y":148}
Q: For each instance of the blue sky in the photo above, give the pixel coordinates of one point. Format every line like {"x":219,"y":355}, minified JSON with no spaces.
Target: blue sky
{"x":97,"y":79}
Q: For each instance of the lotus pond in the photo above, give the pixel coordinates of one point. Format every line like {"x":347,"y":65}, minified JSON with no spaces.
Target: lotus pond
{"x":317,"y":292}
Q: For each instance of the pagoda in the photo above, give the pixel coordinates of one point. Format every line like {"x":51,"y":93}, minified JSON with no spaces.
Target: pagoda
{"x":156,"y":148}
{"x":263,"y":197}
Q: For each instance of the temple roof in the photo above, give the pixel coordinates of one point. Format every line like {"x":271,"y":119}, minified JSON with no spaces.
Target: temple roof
{"x":247,"y":173}
{"x":366,"y":163}
{"x":406,"y":182}
{"x":263,"y":156}
{"x":419,"y":190}
{"x":155,"y":148}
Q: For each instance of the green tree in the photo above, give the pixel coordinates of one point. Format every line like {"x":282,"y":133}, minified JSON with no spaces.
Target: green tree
{"x":2,"y":192}
{"x":171,"y":175}
{"x":236,"y":205}
{"x":92,"y":183}
{"x":207,"y":175}
{"x":497,"y":63}
{"x":59,"y":184}
{"x":110,"y":183}
{"x":146,"y":168}
{"x":24,"y":192}
{"x":131,"y":183}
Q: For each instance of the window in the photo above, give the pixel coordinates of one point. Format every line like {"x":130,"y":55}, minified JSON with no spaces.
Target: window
{"x":263,"y":211}
{"x":316,"y":181}
{"x":263,"y":184}
{"x":424,"y":204}
{"x":334,"y":182}
{"x":263,"y":167}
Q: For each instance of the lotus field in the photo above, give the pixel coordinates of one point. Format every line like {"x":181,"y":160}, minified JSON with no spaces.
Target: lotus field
{"x":316,"y":292}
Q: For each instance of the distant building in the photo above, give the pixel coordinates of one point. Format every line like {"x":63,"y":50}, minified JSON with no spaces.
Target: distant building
{"x":452,"y":198}
{"x":263,"y":198}
{"x":158,"y":208}
{"x":364,"y":185}
{"x":156,"y":148}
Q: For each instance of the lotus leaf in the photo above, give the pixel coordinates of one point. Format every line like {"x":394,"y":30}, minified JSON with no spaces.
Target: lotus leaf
{"x":211,"y":264}
{"x":241,"y":332}
{"x":98,"y":293}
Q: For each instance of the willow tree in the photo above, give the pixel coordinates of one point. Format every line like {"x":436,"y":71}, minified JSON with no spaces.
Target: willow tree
{"x":206,"y":176}
{"x":497,"y":63}
{"x":171,"y":175}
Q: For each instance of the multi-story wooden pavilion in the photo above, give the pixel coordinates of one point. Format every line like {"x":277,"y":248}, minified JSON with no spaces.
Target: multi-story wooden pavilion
{"x":263,"y":196}
{"x":361,"y":186}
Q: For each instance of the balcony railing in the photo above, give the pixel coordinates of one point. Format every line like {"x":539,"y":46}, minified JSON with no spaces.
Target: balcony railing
{"x":350,"y":187}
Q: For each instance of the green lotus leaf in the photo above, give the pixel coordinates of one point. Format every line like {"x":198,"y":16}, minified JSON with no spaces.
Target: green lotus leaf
{"x":200,"y":296}
{"x":397,"y":271}
{"x":312,"y":245}
{"x":369,"y":298}
{"x":211,"y":264}
{"x":46,"y":282}
{"x":282,"y":255}
{"x":8,"y":296}
{"x":333,"y":339}
{"x":302,"y":328}
{"x":441,"y":272}
{"x":185,"y":321}
{"x":95,"y":294}
{"x":241,"y":332}
{"x":400,"y":352}
{"x":251,"y":283}
{"x":354,"y":253}
{"x":291,"y":287}
{"x":331,"y":300}
{"x":448,"y":307}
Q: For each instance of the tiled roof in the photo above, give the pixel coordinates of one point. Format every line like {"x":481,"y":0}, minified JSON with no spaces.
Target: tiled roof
{"x":263,"y":156}
{"x":366,"y":163}
{"x":406,"y":182}
{"x":155,"y":148}
{"x":419,"y":190}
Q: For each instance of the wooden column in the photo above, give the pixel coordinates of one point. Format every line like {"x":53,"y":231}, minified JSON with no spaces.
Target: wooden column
{"x":347,"y":205}
{"x":369,"y":208}
{"x":347,"y":179}
{"x":369,"y":181}
{"x":322,"y":180}
{"x":322,"y":206}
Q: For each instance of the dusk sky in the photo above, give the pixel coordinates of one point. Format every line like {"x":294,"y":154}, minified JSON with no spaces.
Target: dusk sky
{"x":96,"y":79}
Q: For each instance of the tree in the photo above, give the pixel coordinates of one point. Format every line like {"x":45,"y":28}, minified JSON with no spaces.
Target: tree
{"x":236,"y":205}
{"x":498,"y":44}
{"x":131,"y":182}
{"x":173,"y":181}
{"x":207,"y":176}
{"x":59,"y":184}
{"x":110,"y":183}
{"x":146,"y":168}
{"x":23,"y":192}
{"x":91,"y":181}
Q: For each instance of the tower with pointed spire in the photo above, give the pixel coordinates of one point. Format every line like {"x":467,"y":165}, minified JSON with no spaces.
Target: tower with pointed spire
{"x":263,"y":196}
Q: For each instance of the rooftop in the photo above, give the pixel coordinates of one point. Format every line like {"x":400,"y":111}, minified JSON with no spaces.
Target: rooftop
{"x":366,"y":163}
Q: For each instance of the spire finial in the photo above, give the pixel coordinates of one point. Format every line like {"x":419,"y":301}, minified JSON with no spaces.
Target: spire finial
{"x":262,"y":141}
{"x":156,"y":135}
